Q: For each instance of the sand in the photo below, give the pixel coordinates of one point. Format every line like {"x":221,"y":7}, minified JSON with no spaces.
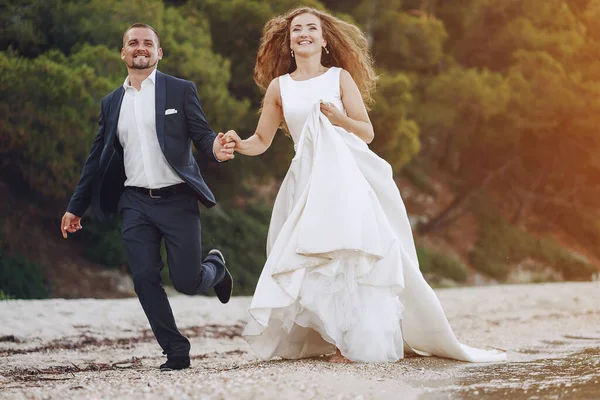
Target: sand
{"x":103,"y":349}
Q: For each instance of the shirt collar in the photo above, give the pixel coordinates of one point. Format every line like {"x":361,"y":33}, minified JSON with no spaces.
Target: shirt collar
{"x":151,"y":78}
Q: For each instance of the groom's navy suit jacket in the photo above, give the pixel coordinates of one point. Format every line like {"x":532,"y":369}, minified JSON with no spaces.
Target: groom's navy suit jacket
{"x":103,"y":175}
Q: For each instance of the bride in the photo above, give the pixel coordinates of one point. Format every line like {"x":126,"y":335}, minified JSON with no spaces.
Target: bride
{"x":342,"y":274}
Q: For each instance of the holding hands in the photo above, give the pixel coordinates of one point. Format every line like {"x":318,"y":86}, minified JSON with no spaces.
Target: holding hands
{"x":228,"y":143}
{"x":230,"y":140}
{"x":222,"y":148}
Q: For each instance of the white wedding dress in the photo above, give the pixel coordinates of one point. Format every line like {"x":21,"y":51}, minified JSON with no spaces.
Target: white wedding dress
{"x":342,"y":270}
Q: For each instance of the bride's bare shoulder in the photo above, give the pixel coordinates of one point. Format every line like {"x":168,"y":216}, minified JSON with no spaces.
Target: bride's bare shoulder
{"x":273,"y":91}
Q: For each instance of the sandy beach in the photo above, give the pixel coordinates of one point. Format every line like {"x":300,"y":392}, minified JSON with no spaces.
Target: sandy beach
{"x":103,"y":349}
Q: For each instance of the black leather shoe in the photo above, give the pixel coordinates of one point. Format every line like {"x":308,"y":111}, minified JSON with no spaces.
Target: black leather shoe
{"x":175,"y":364}
{"x":224,"y":288}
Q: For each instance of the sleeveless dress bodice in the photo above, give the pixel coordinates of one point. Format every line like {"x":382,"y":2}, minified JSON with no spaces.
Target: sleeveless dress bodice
{"x":299,"y":97}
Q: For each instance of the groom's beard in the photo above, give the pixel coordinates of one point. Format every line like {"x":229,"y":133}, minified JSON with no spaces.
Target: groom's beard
{"x":142,"y":62}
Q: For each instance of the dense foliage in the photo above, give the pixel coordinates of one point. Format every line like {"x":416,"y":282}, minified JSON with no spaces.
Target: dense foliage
{"x":502,"y":96}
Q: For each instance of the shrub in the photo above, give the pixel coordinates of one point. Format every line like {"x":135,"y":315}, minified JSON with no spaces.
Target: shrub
{"x":4,"y":296}
{"x":501,"y":245}
{"x":103,"y":243}
{"x":21,"y":279}
{"x":583,"y":226}
{"x":241,"y":234}
{"x":441,"y":265}
{"x":419,"y":178}
{"x":488,"y":265}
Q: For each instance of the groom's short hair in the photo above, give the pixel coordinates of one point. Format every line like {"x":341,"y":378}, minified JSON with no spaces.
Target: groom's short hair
{"x":141,"y":25}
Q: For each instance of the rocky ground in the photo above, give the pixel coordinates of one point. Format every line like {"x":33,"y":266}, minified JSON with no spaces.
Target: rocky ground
{"x":103,"y":349}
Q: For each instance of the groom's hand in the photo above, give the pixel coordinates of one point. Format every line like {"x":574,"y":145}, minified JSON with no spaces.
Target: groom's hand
{"x":222,"y":139}
{"x":70,"y":223}
{"x":222,"y":149}
{"x":233,"y":137}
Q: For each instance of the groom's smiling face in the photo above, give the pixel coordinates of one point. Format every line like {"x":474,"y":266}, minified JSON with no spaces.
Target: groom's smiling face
{"x":141,"y":49}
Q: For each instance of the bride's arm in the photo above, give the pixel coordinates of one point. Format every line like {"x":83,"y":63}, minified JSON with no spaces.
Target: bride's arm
{"x":268,"y":123}
{"x":357,"y":119}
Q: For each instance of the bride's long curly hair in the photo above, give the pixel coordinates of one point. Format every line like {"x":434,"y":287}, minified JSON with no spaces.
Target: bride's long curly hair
{"x":347,"y":45}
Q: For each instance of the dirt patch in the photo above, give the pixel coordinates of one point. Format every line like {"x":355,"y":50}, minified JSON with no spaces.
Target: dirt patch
{"x":85,"y":341}
{"x":53,"y":373}
{"x":10,"y":338}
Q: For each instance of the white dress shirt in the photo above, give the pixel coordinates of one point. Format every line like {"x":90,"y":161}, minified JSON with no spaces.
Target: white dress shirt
{"x":145,"y":163}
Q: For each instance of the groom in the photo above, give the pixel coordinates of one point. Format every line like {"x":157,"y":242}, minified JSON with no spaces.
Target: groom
{"x":141,"y":166}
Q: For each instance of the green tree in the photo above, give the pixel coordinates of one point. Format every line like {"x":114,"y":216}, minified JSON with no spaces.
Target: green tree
{"x":459,"y":109}
{"x":187,"y":53}
{"x":396,"y":136}
{"x":548,"y":25}
{"x":24,"y":25}
{"x":35,"y":26}
{"x":47,"y":119}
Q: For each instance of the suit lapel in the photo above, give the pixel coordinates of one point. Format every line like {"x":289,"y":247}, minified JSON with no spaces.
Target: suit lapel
{"x":113,"y":116}
{"x":161,"y":103}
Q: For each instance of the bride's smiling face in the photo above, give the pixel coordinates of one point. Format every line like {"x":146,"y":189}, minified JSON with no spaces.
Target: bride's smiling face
{"x":306,"y":35}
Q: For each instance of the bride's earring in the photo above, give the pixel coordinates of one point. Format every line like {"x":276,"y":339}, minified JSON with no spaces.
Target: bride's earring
{"x":292,"y":52}
{"x":325,"y":48}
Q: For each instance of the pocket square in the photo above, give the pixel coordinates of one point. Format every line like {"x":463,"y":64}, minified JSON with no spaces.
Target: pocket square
{"x":171,"y":111}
